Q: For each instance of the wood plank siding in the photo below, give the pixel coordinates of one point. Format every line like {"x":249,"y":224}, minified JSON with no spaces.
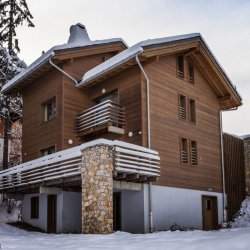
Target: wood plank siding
{"x":234,"y":173}
{"x":38,"y":134}
{"x":167,"y":128}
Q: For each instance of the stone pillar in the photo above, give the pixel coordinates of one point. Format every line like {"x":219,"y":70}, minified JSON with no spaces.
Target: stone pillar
{"x":97,"y":190}
{"x":247,"y":164}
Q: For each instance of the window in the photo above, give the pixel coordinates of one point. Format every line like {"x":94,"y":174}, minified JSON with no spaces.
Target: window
{"x":180,"y":66}
{"x":182,"y":107}
{"x":192,"y":111}
{"x":190,"y":70}
{"x":34,"y":207}
{"x":49,"y":109}
{"x":113,"y":96}
{"x":194,"y":153}
{"x":184,"y":151}
{"x":48,"y":151}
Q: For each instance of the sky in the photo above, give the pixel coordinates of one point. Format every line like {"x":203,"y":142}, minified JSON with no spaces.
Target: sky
{"x":224,"y":24}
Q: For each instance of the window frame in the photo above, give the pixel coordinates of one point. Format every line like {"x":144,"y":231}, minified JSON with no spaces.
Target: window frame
{"x":45,"y":104}
{"x":180,"y":73}
{"x":191,"y":152}
{"x":47,"y":148}
{"x":34,"y":207}
{"x":185,"y":139}
{"x":182,"y":96}
{"x":192,"y":110}
{"x":191,"y":70}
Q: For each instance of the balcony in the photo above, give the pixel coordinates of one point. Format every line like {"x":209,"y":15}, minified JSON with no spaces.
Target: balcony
{"x":63,"y":169}
{"x":103,"y":117}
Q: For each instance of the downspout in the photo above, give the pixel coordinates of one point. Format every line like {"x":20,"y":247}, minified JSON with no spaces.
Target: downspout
{"x":223,"y":167}
{"x":223,"y":172}
{"x":62,"y":71}
{"x":151,"y":225}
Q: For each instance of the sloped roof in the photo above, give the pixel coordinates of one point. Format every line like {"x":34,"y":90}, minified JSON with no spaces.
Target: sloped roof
{"x":128,"y":54}
{"x":142,"y":49}
{"x":78,"y":39}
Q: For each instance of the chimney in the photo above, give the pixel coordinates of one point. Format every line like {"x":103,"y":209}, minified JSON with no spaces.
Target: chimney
{"x":78,"y":34}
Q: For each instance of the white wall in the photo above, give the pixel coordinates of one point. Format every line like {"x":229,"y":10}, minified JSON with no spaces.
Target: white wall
{"x":68,"y":212}
{"x":72,"y":212}
{"x":132,"y":205}
{"x":41,"y":222}
{"x":178,"y":205}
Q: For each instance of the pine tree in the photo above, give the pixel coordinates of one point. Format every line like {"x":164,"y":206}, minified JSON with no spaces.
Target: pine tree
{"x":13,"y":13}
{"x":10,"y":106}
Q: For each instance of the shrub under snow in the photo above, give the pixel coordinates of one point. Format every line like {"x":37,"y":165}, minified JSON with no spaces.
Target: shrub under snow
{"x":242,"y":219}
{"x":10,"y":210}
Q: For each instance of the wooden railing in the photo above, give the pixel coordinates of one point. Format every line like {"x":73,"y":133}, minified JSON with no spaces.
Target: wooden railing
{"x":59,"y":165}
{"x":137,"y":160}
{"x":128,"y":158}
{"x":105,"y":113}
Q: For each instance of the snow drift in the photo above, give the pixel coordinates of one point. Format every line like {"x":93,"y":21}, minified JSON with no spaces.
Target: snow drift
{"x":242,"y":219}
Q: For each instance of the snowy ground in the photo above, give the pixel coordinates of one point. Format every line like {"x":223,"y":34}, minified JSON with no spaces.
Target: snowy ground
{"x":228,"y":239}
{"x":235,"y":238}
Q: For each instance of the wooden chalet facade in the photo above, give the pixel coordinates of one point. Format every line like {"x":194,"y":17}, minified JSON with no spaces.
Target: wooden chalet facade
{"x":164,"y":94}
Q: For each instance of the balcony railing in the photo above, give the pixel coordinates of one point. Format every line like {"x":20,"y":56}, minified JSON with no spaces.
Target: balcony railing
{"x":103,"y":115}
{"x":129,"y":160}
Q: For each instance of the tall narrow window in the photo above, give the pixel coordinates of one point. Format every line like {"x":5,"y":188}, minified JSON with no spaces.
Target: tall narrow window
{"x":184,"y":150}
{"x":180,"y":66}
{"x":49,"y":109}
{"x":190,"y":70}
{"x":192,"y":111}
{"x":182,"y":107}
{"x":34,"y":210}
{"x":194,"y":160}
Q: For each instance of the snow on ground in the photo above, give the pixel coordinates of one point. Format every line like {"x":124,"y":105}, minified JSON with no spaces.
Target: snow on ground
{"x":243,"y":218}
{"x":228,"y":239}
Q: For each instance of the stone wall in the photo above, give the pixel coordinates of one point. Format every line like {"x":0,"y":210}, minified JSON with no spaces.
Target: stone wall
{"x":97,"y":190}
{"x":247,"y":164}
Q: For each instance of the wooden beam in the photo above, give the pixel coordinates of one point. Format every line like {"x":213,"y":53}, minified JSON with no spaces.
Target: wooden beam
{"x":225,"y":98}
{"x":132,"y":177}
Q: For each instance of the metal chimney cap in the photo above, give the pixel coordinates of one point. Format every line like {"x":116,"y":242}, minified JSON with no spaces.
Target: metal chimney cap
{"x":78,"y":34}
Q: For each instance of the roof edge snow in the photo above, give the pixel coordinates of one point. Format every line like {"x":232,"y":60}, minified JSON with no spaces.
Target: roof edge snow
{"x":128,"y":54}
{"x":44,"y":58}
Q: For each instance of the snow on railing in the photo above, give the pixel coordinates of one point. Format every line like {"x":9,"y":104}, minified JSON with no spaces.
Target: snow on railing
{"x":106,"y":112}
{"x":128,"y":158}
{"x":138,"y":160}
{"x":62,"y":164}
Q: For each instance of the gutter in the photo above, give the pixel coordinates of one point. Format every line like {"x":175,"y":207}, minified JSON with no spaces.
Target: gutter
{"x":151,"y":225}
{"x":62,"y":71}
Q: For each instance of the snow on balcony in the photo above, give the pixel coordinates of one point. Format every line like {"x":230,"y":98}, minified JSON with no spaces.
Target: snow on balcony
{"x":131,"y":163}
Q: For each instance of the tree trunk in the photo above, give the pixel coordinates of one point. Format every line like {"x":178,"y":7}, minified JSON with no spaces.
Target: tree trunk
{"x":10,"y":40}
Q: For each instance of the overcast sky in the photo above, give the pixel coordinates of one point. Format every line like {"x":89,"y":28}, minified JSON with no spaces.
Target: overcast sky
{"x":225,"y":25}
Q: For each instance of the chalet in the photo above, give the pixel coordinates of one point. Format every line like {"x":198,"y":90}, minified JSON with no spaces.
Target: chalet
{"x":122,"y":138}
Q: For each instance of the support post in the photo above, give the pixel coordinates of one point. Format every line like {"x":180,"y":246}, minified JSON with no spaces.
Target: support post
{"x":97,"y":190}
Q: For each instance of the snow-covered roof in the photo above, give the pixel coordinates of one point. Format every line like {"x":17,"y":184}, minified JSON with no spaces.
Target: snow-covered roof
{"x":137,"y":49}
{"x":78,"y":39}
{"x":128,"y":54}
